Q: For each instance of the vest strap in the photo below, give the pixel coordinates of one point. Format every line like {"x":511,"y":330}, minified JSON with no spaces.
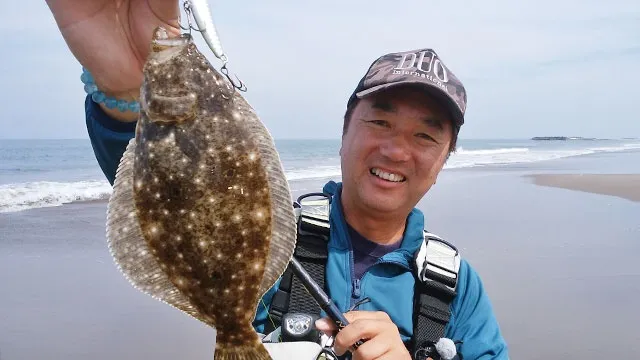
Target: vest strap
{"x":437,"y":266}
{"x":312,"y":211}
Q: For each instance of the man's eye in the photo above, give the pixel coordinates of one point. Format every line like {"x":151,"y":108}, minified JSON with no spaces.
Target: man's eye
{"x":425,"y":137}
{"x":378,"y":122}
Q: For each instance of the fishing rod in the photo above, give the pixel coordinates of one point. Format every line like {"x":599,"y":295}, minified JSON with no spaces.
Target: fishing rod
{"x":323,"y":300}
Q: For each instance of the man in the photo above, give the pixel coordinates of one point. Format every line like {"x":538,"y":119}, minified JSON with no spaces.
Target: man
{"x":400,"y":126}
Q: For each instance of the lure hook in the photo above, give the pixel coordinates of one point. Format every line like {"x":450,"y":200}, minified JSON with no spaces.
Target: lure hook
{"x":238,"y":84}
{"x":187,"y":10}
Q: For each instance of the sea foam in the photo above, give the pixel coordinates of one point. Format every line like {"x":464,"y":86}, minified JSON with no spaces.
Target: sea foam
{"x":22,"y":196}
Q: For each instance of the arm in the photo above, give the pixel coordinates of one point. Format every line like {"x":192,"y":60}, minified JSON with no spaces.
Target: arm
{"x":473,"y":320}
{"x":109,"y":137}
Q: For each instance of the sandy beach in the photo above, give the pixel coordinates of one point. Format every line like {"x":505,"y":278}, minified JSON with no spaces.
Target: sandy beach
{"x":559,"y":266}
{"x":626,"y":186}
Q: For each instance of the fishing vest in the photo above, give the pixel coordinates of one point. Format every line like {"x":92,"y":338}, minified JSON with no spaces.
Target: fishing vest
{"x":435,"y":269}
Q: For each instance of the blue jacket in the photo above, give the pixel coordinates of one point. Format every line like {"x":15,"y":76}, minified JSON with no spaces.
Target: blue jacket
{"x":389,"y":283}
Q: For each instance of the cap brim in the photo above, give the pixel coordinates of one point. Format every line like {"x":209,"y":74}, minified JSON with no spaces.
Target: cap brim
{"x":455,"y":112}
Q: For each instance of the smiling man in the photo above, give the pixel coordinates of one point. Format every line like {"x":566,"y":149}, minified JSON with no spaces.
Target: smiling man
{"x":400,"y":126}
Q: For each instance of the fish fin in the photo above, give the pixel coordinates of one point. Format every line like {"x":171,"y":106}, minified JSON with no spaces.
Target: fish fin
{"x":128,"y":247}
{"x":283,"y":220}
{"x":255,"y":351}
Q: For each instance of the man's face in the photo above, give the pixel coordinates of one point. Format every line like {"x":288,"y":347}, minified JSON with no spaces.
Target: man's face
{"x":395,"y":145}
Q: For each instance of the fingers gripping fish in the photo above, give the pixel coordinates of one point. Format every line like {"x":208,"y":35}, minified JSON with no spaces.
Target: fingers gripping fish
{"x":200,"y":216}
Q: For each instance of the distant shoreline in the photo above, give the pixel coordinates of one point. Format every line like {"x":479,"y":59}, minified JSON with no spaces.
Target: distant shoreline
{"x":566,"y":138}
{"x":626,"y":186}
{"x":562,"y":138}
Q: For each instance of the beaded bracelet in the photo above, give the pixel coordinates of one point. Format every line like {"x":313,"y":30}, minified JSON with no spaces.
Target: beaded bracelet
{"x":98,"y":96}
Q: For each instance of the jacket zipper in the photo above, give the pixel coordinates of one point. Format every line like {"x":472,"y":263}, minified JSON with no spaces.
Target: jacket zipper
{"x":356,"y":291}
{"x":355,"y":283}
{"x":355,"y":294}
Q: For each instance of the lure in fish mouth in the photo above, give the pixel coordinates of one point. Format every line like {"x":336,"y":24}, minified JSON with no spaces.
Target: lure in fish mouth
{"x":201,"y":216}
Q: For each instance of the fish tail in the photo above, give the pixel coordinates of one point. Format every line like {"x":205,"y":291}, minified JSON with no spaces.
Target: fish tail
{"x":255,"y":351}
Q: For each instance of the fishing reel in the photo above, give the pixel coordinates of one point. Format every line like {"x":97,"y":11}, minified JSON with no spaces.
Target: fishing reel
{"x":298,"y":338}
{"x":299,"y":327}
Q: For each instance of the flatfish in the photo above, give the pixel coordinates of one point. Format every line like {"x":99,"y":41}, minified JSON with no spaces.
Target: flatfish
{"x":201,"y":216}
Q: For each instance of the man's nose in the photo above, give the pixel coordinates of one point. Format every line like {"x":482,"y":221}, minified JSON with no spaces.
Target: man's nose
{"x":396,"y":148}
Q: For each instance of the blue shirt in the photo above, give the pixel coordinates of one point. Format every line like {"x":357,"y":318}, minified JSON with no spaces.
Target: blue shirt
{"x":388,"y":281}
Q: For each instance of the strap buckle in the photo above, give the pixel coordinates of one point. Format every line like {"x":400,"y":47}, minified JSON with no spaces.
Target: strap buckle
{"x":314,"y":212}
{"x":428,"y":351}
{"x":438,"y":261}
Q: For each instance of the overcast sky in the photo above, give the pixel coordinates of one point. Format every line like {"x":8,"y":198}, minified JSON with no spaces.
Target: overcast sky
{"x":562,"y":67}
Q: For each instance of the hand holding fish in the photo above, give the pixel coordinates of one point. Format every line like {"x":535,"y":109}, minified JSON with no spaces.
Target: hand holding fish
{"x":200,"y":216}
{"x":111,"y":39}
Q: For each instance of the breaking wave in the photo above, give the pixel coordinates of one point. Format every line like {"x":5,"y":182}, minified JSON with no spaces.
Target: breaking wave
{"x":17,"y":197}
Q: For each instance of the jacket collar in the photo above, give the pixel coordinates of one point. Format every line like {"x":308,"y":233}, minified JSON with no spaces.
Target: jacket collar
{"x":411,"y":240}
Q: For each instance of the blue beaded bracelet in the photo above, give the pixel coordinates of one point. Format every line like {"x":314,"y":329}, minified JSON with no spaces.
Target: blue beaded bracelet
{"x":99,"y":97}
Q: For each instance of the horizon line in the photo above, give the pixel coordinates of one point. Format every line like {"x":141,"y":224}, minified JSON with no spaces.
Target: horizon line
{"x":338,"y":138}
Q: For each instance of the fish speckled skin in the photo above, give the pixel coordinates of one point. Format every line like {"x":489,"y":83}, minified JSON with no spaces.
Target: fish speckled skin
{"x":201,"y":215}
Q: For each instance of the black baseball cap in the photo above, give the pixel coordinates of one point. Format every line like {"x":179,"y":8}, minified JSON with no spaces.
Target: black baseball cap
{"x":422,"y":68}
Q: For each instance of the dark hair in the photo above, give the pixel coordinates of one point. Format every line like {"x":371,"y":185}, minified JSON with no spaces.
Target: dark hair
{"x":351,"y":107}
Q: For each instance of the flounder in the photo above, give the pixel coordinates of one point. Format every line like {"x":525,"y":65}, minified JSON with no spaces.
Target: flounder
{"x":201,"y":215}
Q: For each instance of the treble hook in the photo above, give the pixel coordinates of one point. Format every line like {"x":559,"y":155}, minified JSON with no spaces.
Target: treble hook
{"x":187,"y":9}
{"x":239,"y":85}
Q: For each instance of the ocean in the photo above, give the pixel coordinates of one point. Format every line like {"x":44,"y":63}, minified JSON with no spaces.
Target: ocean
{"x":45,"y":173}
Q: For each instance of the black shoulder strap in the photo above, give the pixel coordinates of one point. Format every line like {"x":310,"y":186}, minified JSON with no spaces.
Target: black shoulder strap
{"x":311,"y":252}
{"x":437,"y":264}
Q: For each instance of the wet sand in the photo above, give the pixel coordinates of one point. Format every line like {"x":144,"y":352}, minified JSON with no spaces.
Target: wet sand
{"x":559,"y":267}
{"x":626,"y":186}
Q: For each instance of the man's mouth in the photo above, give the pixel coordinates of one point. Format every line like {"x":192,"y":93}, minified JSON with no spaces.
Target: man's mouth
{"x":387,"y":176}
